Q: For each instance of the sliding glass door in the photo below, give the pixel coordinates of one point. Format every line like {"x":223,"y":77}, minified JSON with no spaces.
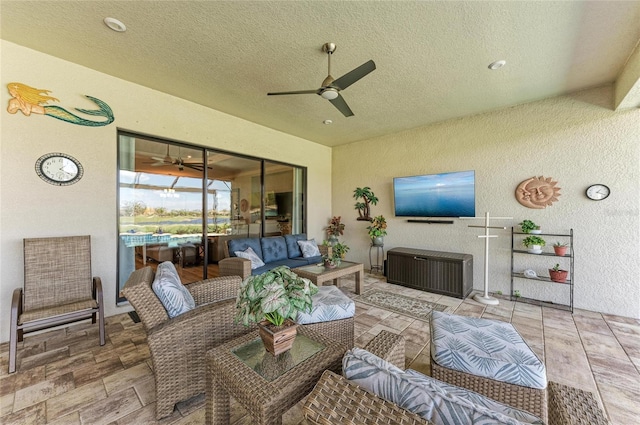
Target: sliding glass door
{"x":182,"y":203}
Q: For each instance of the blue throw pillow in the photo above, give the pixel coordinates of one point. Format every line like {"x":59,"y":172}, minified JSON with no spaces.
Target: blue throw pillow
{"x":174,"y":296}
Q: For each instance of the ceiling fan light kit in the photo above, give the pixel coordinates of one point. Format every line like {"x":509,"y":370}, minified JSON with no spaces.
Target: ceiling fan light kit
{"x":330,"y":88}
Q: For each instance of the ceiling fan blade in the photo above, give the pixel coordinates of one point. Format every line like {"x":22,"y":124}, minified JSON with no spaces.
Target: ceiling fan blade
{"x":342,"y":106}
{"x":351,"y":77}
{"x":294,"y":92}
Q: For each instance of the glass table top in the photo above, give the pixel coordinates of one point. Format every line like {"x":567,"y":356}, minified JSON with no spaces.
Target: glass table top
{"x":320,"y":268}
{"x":270,"y":367}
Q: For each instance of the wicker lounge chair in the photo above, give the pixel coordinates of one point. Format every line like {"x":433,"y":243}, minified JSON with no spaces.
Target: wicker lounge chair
{"x":58,"y":289}
{"x":179,"y":345}
{"x":337,"y":401}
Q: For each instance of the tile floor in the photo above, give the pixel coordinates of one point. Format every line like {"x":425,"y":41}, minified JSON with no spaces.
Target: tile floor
{"x":65,"y":377}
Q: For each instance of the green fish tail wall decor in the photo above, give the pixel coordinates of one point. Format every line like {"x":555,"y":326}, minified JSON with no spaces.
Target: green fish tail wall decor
{"x":30,"y":100}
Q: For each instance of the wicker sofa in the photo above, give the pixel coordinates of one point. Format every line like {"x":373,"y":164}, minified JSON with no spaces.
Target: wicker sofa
{"x":336,"y":400}
{"x":274,"y":251}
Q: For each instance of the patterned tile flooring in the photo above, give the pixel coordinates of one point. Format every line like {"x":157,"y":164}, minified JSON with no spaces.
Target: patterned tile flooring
{"x":65,"y":377}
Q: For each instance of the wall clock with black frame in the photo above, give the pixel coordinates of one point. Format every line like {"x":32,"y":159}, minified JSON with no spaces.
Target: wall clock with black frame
{"x":59,"y":169}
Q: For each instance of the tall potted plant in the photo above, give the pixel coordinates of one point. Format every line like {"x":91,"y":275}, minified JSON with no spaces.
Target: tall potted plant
{"x":378,"y":230}
{"x":334,"y":229}
{"x":272,"y":300}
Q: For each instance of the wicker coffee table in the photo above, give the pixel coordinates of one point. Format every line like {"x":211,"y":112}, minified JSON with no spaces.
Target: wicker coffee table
{"x":265,"y":385}
{"x":320,"y":274}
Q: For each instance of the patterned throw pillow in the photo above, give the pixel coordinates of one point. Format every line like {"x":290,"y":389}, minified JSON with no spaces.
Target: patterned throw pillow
{"x":174,"y":296}
{"x":309,"y":248}
{"x":420,"y":394}
{"x":250,"y":254}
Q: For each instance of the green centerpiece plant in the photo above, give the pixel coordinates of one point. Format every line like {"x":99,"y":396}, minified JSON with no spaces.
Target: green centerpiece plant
{"x":273,"y":300}
{"x":275,"y":295}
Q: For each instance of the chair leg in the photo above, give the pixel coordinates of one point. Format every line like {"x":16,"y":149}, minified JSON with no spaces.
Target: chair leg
{"x":13,"y":346}
{"x":101,"y":323}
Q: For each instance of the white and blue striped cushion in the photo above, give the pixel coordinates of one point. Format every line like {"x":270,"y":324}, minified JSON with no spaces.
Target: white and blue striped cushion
{"x":426,"y":396}
{"x":484,"y":347}
{"x":327,"y":305}
{"x":173,"y":295}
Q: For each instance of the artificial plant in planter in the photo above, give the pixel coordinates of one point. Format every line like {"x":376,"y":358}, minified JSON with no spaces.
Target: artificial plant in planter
{"x":368,"y":198}
{"x":378,"y":230}
{"x":272,"y":300}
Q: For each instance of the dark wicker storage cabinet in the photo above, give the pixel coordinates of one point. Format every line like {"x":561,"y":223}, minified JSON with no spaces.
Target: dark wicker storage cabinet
{"x":445,"y":273}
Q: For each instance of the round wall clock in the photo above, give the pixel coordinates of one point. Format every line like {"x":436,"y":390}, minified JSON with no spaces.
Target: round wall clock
{"x":59,"y":169}
{"x":598,"y":192}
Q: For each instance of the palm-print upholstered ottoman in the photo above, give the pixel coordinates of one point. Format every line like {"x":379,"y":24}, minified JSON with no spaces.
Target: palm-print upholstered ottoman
{"x":489,"y":357}
{"x":332,"y":315}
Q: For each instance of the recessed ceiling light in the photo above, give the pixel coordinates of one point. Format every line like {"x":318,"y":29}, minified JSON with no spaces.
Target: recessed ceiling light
{"x":327,"y":122}
{"x":115,"y":24}
{"x":497,"y":65}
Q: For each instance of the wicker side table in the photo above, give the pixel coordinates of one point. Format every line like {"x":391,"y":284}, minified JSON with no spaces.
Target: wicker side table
{"x":266,"y":399}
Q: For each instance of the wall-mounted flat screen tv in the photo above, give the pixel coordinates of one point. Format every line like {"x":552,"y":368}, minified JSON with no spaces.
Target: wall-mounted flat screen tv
{"x":435,"y":195}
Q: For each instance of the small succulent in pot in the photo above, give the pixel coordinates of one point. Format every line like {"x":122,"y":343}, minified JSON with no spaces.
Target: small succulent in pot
{"x":560,"y":248}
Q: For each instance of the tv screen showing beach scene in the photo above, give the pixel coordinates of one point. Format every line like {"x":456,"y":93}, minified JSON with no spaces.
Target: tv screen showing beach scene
{"x":435,"y":195}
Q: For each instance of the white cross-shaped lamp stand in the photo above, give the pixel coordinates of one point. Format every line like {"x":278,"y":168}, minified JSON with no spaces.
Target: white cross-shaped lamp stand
{"x":485,"y":298}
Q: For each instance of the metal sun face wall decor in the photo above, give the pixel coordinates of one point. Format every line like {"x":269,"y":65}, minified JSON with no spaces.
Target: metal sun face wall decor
{"x":537,"y":192}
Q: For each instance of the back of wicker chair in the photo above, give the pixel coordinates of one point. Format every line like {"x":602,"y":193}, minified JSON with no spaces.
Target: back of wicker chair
{"x":178,"y":346}
{"x":58,"y":289}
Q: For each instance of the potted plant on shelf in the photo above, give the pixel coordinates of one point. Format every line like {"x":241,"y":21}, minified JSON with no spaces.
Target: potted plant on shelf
{"x":364,"y":207}
{"x":560,"y":248}
{"x":529,"y":226}
{"x":334,"y":229}
{"x":378,"y":230}
{"x":272,"y":300}
{"x":534,"y":244}
{"x":558,"y":275}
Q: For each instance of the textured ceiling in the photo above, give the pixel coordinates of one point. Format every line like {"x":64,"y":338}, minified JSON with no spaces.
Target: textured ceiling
{"x":431,"y":57}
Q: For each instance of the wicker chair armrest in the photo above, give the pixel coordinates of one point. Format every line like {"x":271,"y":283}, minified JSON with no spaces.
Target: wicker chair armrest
{"x":235,"y":266}
{"x":336,"y":401}
{"x":215,"y":289}
{"x":388,"y":346}
{"x":213,"y":314}
{"x":573,"y":406}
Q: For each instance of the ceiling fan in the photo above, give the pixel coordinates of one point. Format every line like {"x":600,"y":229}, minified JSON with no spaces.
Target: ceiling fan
{"x":330,"y":88}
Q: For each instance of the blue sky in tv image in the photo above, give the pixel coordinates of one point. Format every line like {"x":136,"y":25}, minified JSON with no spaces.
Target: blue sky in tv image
{"x":435,"y":195}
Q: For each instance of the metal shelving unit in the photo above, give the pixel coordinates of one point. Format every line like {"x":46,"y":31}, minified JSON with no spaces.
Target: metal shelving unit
{"x":543,"y":280}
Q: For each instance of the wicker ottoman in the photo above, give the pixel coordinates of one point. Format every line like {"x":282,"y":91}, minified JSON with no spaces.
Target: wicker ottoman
{"x":332,"y":315}
{"x":490,"y":358}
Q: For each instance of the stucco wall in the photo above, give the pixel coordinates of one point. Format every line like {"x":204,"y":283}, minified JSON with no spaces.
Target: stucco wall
{"x":578,"y":140}
{"x":32,"y":208}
